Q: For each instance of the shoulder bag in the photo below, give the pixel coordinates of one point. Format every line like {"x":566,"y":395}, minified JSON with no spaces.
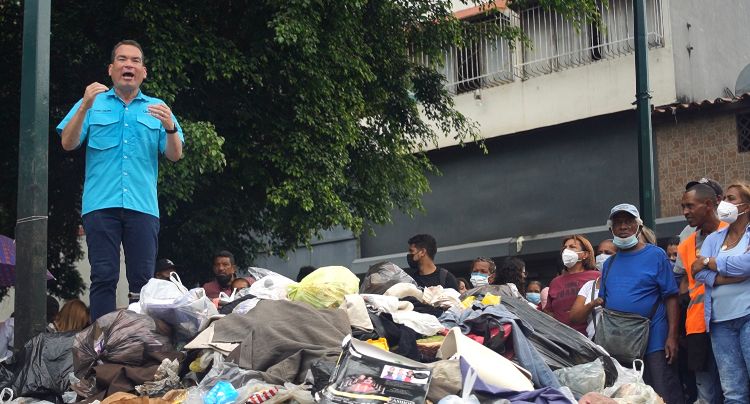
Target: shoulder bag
{"x":623,"y":335}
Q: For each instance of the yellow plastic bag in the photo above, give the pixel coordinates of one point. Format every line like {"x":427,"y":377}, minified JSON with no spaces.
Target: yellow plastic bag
{"x":325,"y":287}
{"x":468,"y":302}
{"x":491,"y":300}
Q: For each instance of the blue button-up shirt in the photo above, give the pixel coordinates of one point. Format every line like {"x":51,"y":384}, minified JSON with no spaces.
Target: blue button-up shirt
{"x":124,"y":143}
{"x":731,"y":266}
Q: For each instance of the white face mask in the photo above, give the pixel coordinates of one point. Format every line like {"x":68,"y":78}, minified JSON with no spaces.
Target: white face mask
{"x":728,"y":211}
{"x":569,"y":258}
{"x":600,"y":260}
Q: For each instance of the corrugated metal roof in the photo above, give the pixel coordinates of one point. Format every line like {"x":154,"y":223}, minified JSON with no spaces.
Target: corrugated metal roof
{"x":672,"y":108}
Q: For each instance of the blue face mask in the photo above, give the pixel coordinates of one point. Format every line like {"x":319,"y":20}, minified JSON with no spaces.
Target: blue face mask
{"x":479,"y":279}
{"x":534,"y":297}
{"x":624,"y":243}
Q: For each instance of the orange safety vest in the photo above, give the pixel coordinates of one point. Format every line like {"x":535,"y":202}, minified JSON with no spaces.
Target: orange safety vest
{"x":695,"y":322}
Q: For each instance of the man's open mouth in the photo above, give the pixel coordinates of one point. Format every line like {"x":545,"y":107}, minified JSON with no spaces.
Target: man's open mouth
{"x":128,"y":75}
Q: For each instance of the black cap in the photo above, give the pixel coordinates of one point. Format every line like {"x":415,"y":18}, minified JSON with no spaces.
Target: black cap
{"x":711,"y":183}
{"x":164,"y":264}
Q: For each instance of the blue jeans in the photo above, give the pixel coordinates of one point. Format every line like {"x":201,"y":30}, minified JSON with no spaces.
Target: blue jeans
{"x":731,"y":344}
{"x":708,"y":383}
{"x":106,"y":230}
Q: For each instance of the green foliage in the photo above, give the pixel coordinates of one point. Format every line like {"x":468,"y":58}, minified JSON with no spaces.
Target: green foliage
{"x":202,"y":154}
{"x":299,"y":116}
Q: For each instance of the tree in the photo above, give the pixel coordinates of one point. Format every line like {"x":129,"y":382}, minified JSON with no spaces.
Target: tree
{"x":322,"y":108}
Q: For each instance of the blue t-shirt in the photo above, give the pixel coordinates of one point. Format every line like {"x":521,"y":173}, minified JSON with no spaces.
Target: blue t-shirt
{"x":123,"y":143}
{"x":634,"y":281}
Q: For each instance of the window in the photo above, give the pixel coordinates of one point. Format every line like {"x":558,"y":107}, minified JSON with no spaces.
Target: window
{"x":743,"y":132}
{"x":556,"y":43}
{"x":482,"y":62}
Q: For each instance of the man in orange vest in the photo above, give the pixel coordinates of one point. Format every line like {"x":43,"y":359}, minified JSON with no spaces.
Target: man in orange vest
{"x":699,"y":207}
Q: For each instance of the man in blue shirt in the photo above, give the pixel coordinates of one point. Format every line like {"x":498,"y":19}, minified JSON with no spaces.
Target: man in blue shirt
{"x":635,"y":280}
{"x":125,"y":131}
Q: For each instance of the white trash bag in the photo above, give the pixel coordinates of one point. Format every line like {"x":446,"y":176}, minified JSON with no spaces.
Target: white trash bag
{"x":188,"y":311}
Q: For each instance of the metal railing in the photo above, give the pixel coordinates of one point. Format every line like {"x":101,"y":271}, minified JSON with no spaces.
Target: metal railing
{"x":555,"y":45}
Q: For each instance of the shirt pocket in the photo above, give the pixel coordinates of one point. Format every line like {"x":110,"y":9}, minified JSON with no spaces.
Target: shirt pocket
{"x":104,"y":131}
{"x":149,"y":122}
{"x":148,"y":134}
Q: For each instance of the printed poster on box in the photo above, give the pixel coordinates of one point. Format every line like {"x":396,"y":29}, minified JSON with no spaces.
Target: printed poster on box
{"x":369,"y":375}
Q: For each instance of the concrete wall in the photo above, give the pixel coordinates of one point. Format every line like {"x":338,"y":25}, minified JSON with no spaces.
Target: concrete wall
{"x":335,"y":247}
{"x":718,"y":35}
{"x":549,"y":180}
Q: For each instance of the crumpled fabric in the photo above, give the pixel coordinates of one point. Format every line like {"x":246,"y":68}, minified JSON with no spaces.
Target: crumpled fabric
{"x":440,"y":297}
{"x":356,"y":310}
{"x":282,"y":339}
{"x":424,"y":324}
{"x":402,"y":290}
{"x":386,"y":304}
{"x":166,"y":378}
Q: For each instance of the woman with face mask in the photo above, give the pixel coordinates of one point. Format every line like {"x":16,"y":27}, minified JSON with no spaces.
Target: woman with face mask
{"x":724,"y":268}
{"x":578,"y":257}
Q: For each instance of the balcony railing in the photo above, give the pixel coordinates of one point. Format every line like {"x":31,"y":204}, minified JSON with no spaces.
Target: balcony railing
{"x":555,"y":44}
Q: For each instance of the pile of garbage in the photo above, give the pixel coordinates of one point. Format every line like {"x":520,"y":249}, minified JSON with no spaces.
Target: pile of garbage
{"x":326,"y":339}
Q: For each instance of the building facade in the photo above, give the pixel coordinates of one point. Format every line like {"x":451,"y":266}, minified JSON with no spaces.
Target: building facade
{"x":561,"y":129}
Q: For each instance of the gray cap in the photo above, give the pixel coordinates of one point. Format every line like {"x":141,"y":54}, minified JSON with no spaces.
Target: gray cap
{"x":625,"y":207}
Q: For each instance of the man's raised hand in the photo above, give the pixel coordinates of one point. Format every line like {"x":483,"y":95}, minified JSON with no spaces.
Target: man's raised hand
{"x":92,"y":90}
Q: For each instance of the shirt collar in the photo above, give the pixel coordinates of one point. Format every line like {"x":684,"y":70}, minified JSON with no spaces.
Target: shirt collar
{"x":140,"y":96}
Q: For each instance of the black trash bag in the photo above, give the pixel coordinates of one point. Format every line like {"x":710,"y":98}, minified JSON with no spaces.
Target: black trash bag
{"x":381,"y":276}
{"x":46,"y":361}
{"x":321,"y":372}
{"x":559,"y":345}
{"x":121,"y":337}
{"x":7,"y":374}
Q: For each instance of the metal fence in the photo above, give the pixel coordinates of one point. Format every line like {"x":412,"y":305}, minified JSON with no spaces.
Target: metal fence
{"x":555,"y":44}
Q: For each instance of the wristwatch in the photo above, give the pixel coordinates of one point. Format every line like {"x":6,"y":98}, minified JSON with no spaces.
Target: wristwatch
{"x":174,"y":130}
{"x":706,"y":261}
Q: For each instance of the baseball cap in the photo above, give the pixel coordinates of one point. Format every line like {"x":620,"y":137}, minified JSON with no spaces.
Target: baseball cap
{"x":625,"y":207}
{"x":711,"y":183}
{"x":164,"y":264}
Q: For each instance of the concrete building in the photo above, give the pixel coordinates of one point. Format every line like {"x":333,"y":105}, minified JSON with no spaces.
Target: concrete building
{"x":560,"y":126}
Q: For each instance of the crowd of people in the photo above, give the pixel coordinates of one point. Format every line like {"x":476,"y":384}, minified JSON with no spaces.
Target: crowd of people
{"x":689,"y":300}
{"x":693,"y":292}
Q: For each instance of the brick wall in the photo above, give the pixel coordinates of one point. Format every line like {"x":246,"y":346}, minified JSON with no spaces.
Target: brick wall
{"x":697,"y":145}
